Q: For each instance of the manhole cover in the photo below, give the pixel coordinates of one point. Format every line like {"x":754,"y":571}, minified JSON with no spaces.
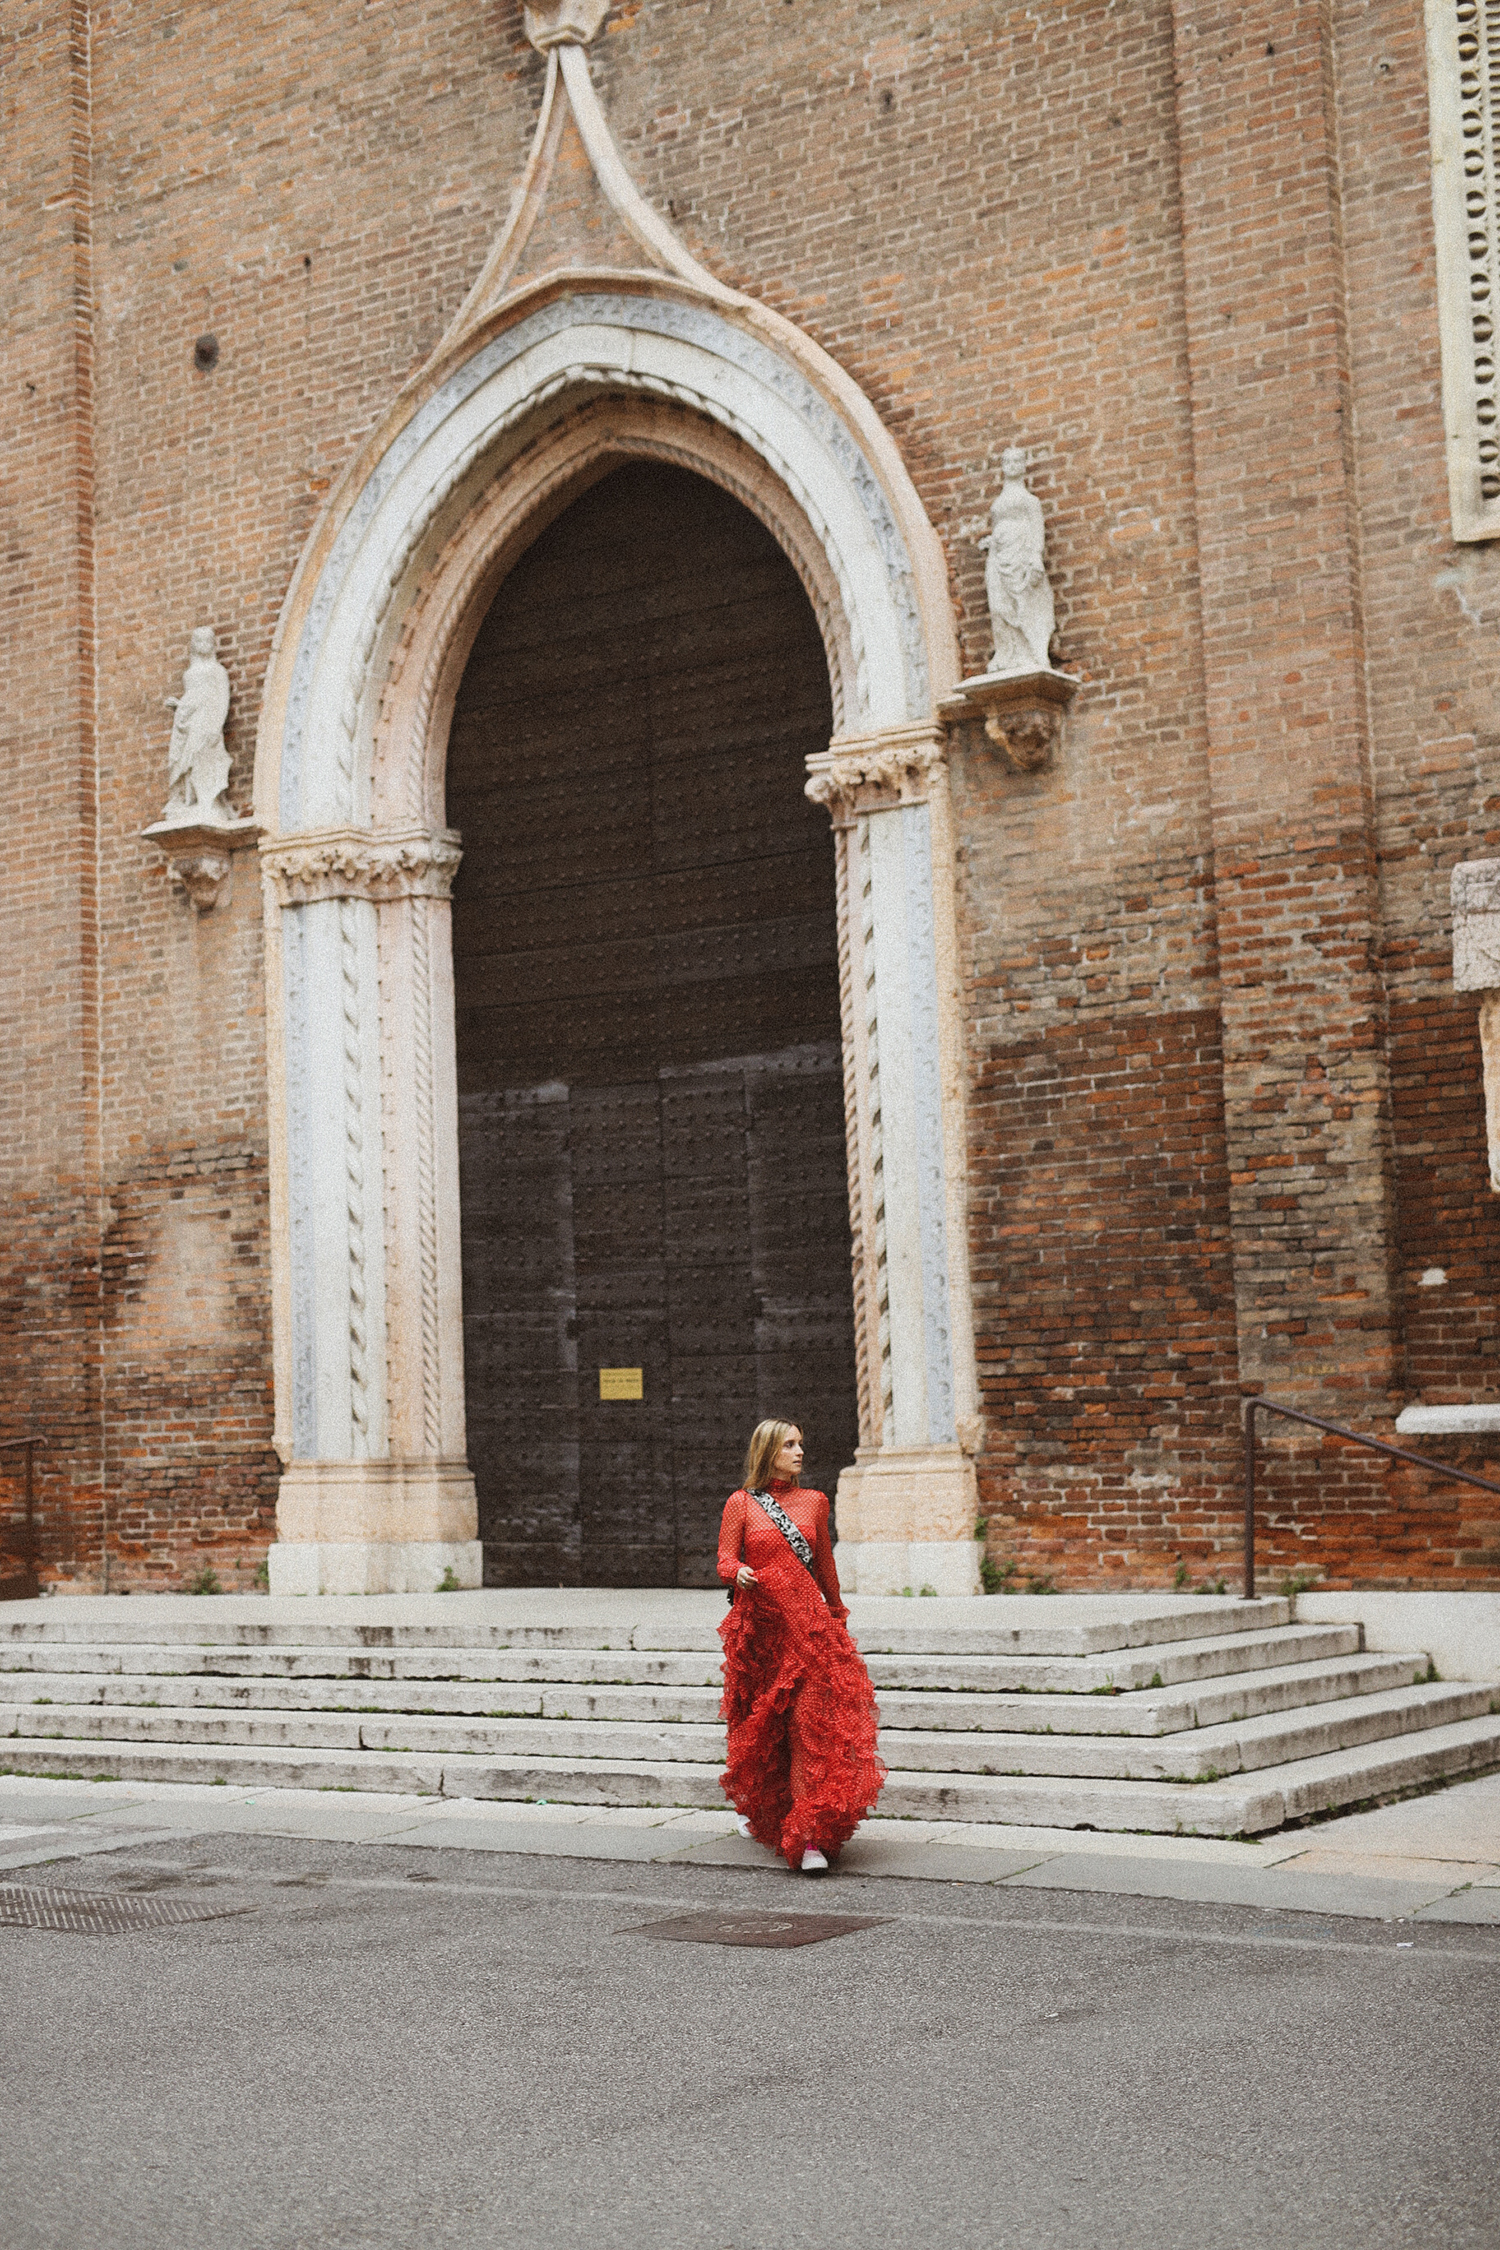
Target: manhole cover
{"x":101,"y":1913}
{"x":755,"y":1929}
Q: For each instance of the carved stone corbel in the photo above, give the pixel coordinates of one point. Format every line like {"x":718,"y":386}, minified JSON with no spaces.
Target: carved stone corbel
{"x":200,"y":855}
{"x":1475,"y":891}
{"x":563,"y":23}
{"x":1021,"y":713}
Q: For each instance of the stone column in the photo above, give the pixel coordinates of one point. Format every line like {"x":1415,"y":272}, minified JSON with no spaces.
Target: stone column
{"x":377,"y":1496}
{"x":1475,"y":889}
{"x":906,"y":1507}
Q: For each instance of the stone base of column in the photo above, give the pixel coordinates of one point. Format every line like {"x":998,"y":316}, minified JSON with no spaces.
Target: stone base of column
{"x":375,"y":1566}
{"x":375,"y":1527}
{"x":906,"y":1522}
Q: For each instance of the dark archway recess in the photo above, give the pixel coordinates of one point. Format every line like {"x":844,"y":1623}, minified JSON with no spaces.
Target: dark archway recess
{"x":651,"y":1122}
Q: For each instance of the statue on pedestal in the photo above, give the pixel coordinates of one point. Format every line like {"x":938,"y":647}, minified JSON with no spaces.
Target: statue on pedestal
{"x":199,"y":831}
{"x":1022,"y":617}
{"x":197,"y":761}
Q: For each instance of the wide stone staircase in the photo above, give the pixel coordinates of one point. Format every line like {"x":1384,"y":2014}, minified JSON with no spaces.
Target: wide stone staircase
{"x":1208,"y":1716}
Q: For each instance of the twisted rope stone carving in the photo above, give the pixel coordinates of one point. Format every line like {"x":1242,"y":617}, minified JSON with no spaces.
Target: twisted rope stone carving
{"x":354,"y":1180}
{"x":851,"y":1142}
{"x":877,"y":1144}
{"x":426,"y":1178}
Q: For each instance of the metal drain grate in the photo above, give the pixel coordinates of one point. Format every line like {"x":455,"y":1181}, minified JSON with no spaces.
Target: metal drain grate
{"x":102,"y":1913}
{"x":755,"y":1929}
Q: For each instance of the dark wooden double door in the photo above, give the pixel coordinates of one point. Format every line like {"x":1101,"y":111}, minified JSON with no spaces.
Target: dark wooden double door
{"x":650,"y":1081}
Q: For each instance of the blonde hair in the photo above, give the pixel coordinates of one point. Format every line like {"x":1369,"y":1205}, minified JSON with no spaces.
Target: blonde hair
{"x":766,"y":1441}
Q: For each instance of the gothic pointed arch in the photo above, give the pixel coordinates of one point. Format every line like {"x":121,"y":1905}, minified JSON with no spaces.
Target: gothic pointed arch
{"x":542,"y":385}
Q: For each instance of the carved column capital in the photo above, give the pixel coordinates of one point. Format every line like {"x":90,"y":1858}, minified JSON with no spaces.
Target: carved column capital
{"x":872,"y":772}
{"x":360,"y":863}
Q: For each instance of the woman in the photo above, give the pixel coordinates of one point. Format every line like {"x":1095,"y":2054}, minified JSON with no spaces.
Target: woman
{"x":803,"y":1769}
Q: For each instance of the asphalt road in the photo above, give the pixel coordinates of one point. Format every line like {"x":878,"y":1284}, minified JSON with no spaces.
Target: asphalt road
{"x":484,"y":2051}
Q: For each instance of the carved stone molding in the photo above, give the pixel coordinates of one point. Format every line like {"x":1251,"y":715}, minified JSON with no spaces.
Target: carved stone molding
{"x":563,"y":23}
{"x":1021,"y":712}
{"x":359,"y":863}
{"x":200,"y":855}
{"x":1475,"y":891}
{"x":870,"y":772}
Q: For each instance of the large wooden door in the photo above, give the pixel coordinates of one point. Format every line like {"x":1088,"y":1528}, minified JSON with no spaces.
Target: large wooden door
{"x":651,"y":1128}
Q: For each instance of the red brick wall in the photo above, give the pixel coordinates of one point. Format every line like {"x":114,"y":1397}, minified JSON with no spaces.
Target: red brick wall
{"x":49,"y":954}
{"x":1225,"y":1107}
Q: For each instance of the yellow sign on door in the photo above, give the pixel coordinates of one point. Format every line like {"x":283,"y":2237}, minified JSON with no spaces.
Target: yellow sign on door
{"x":621,"y":1382}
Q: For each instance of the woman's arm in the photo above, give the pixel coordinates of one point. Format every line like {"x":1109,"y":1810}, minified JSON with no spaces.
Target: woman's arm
{"x":732,"y":1566}
{"x":824,"y":1564}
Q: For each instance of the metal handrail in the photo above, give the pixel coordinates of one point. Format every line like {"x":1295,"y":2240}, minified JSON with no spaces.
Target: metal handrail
{"x":27,"y":1576}
{"x":1254,"y":1406}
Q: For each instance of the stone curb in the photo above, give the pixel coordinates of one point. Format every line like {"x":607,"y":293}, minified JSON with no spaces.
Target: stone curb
{"x":42,"y":1823}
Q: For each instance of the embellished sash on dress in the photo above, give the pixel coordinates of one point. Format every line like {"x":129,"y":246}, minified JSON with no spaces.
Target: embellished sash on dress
{"x":786,"y":1527}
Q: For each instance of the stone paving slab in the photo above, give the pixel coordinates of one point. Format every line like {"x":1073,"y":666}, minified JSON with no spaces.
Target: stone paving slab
{"x":1481,"y":1906}
{"x":1273,"y":1888}
{"x":568,"y":1840}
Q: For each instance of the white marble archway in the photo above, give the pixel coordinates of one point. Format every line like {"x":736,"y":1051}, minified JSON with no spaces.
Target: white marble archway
{"x":509,"y":424}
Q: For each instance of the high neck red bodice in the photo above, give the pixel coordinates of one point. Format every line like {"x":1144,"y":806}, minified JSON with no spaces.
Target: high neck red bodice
{"x":747,"y":1535}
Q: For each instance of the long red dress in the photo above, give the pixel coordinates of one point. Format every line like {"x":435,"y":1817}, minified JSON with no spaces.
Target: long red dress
{"x":798,"y":1703}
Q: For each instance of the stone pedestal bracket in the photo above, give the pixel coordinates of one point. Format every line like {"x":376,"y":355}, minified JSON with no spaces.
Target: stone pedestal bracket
{"x":1021,"y":713}
{"x":200,"y":855}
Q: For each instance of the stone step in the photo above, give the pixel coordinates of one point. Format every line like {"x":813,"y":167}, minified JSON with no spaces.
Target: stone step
{"x":1170,"y":1665}
{"x":1247,"y":1806}
{"x":1195,"y":1755}
{"x":177,"y":1660}
{"x":1158,"y":1667}
{"x":1202,"y":1754}
{"x":993,"y":1629}
{"x":612,"y":1741}
{"x":492,"y":1699}
{"x":1155,"y":1712}
{"x":1250,"y":1805}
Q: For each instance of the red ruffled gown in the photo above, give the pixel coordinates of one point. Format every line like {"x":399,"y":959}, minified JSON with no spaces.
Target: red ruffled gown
{"x":798,"y":1703}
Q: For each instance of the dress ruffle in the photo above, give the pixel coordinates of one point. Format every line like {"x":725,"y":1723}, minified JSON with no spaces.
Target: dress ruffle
{"x":796,"y":1692}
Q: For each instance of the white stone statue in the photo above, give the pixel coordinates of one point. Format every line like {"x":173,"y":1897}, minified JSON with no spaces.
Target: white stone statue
{"x":1021,"y":611}
{"x":197,"y":761}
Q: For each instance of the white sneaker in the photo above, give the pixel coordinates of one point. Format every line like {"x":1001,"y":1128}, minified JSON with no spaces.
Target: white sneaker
{"x":813,"y":1863}
{"x":742,"y":1824}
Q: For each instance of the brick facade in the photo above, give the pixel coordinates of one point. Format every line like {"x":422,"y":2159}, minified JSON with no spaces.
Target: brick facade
{"x":1225,"y":1111}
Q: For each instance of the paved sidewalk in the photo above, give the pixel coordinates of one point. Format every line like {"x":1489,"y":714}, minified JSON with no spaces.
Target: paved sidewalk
{"x":1432,"y":1859}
